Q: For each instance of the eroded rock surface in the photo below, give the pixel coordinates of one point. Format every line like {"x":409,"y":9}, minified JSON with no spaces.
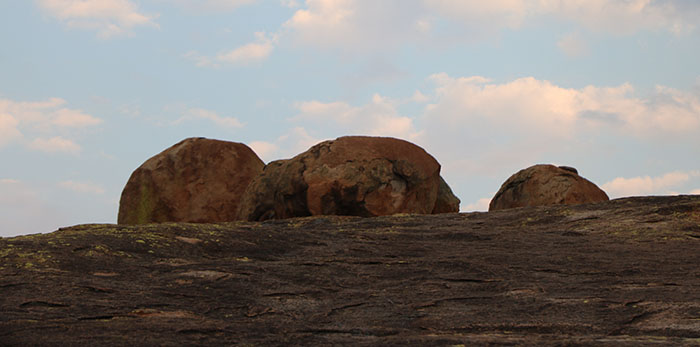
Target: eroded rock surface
{"x":618,"y":273}
{"x":196,"y":180}
{"x":541,"y":185}
{"x":352,"y":175}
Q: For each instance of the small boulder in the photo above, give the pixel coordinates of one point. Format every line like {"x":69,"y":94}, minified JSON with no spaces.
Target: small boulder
{"x":546,"y":185}
{"x":197,"y":180}
{"x":352,"y":175}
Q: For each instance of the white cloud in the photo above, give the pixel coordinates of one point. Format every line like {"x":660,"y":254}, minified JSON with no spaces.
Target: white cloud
{"x":573,"y":45}
{"x":37,"y":114}
{"x":318,"y":110}
{"x":629,"y":16}
{"x":379,"y":117}
{"x":55,"y":145}
{"x":290,"y":3}
{"x":480,"y":205}
{"x":20,"y":119}
{"x":528,"y":106}
{"x":8,"y":129}
{"x":211,"y":5}
{"x":264,"y":149}
{"x":47,"y":115}
{"x":82,"y":187}
{"x":352,"y":25}
{"x":108,"y":17}
{"x":247,"y":54}
{"x":200,"y":113}
{"x":419,"y":97}
{"x":613,"y":16}
{"x":668,"y":110}
{"x":251,"y":52}
{"x":525,"y":104}
{"x":695,"y":191}
{"x":323,"y":20}
{"x":73,"y":118}
{"x":358,"y":28}
{"x":646,"y":185}
{"x":230,"y":122}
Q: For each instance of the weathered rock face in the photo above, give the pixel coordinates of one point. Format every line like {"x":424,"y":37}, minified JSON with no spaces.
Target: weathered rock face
{"x":197,"y":180}
{"x":517,"y":277}
{"x":546,"y":185}
{"x":446,"y":200}
{"x":353,"y":175}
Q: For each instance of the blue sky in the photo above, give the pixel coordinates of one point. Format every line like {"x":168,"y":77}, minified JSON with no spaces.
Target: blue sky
{"x":90,"y":89}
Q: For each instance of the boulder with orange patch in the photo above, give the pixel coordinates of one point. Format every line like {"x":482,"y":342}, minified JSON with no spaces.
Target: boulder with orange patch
{"x":352,"y":175}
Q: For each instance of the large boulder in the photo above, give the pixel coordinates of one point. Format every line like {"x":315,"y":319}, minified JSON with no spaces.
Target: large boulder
{"x":546,"y":185}
{"x":197,"y":180}
{"x":352,"y":175}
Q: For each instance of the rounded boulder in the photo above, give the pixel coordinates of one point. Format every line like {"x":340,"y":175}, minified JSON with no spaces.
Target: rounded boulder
{"x":352,"y":175}
{"x":542,"y":184}
{"x":197,"y":180}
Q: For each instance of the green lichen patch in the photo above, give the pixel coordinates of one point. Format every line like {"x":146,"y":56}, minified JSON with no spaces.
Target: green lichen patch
{"x":23,"y":258}
{"x":146,"y":204}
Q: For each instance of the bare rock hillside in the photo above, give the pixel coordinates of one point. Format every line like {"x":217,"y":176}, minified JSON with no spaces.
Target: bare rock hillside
{"x":619,"y":273}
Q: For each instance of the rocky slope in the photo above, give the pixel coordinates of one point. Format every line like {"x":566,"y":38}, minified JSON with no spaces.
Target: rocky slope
{"x":623,"y":272}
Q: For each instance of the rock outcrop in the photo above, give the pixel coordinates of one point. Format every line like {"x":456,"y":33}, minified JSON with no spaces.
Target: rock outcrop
{"x":546,"y":185}
{"x":618,"y":273}
{"x":352,"y":175}
{"x":197,"y":180}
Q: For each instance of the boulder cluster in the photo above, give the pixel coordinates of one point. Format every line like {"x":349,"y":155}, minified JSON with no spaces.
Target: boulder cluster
{"x":202,"y":180}
{"x":207,"y":181}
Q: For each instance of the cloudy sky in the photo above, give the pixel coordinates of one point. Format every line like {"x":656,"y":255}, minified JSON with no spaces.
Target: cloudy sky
{"x":90,"y":89}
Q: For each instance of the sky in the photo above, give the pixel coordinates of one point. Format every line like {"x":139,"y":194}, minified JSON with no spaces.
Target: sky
{"x":90,"y":89}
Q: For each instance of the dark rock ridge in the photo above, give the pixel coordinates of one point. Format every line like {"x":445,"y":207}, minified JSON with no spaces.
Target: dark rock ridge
{"x":541,"y":185}
{"x":352,"y":175}
{"x":196,"y":180}
{"x":618,"y":273}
